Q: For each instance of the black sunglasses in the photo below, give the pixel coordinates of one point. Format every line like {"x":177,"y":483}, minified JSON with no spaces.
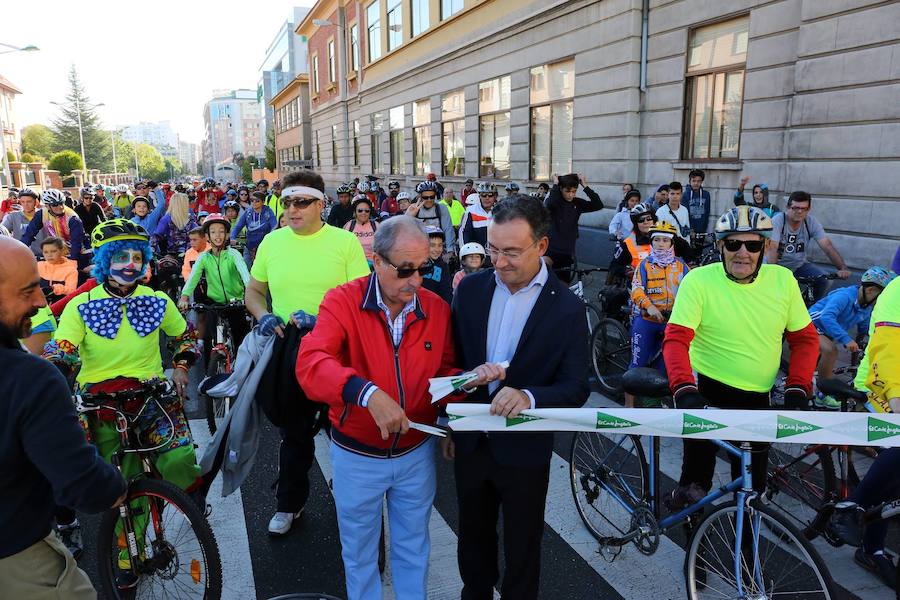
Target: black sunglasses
{"x":407,"y":272}
{"x":297,"y":202}
{"x":646,"y":220}
{"x":752,"y":246}
{"x":429,"y":197}
{"x":363,"y":210}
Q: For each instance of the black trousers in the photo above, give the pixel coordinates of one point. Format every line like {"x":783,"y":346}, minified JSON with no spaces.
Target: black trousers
{"x":295,"y":457}
{"x":482,"y":487}
{"x":700,"y":455}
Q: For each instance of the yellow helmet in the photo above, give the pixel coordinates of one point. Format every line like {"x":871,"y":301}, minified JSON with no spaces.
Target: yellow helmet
{"x":117,"y":229}
{"x":663,"y":228}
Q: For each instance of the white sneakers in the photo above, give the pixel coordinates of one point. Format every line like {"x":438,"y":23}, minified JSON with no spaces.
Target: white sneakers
{"x":281,"y":523}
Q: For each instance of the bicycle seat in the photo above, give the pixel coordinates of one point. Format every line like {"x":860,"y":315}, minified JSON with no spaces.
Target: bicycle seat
{"x":645,"y":381}
{"x":840,"y":389}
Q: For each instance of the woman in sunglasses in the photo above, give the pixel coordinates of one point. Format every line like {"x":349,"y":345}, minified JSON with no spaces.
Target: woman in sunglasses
{"x":634,"y":248}
{"x":362,"y":225}
{"x":717,"y":330}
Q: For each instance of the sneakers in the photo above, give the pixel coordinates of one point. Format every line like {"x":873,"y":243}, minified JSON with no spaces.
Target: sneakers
{"x":878,"y":563}
{"x":282,"y":521}
{"x":824,"y":402}
{"x":684,"y":495}
{"x":71,"y":538}
{"x":847,"y":522}
{"x":125,"y":579}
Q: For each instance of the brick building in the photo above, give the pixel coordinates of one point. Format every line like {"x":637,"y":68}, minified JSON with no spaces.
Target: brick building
{"x":293,"y":138}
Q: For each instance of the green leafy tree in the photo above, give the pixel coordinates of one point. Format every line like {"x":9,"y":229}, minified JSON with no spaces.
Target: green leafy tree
{"x":250,"y":163}
{"x":173,"y":168}
{"x":28,"y":158}
{"x":10,"y":156}
{"x":270,"y":149}
{"x":151,"y":162}
{"x":38,"y":140}
{"x":65,"y":162}
{"x":65,"y":128}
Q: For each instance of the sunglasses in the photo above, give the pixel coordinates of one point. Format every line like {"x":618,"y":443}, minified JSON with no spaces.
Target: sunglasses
{"x":429,"y":197}
{"x":752,"y":246}
{"x":297,"y":202}
{"x":363,"y":210}
{"x":646,"y":220}
{"x":407,"y":272}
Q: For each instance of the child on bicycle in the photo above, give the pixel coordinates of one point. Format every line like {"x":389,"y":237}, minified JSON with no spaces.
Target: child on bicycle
{"x":836,"y":314}
{"x":226,"y":276}
{"x":471,"y":257}
{"x":653,"y":289}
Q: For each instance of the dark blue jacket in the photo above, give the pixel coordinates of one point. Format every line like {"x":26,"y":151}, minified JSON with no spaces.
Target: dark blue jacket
{"x":698,"y":208}
{"x":45,"y":459}
{"x":552,"y":366}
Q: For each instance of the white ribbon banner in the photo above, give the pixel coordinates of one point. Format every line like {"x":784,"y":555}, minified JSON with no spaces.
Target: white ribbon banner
{"x":800,"y":427}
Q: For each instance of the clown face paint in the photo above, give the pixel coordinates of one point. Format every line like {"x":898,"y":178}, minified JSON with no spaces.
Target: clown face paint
{"x":126,"y":266}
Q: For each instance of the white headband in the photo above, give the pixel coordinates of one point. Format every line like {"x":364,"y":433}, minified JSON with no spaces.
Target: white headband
{"x":302,"y":190}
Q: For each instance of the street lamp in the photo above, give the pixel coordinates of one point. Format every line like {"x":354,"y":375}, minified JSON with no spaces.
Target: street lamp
{"x":84,"y":170}
{"x":28,"y":48}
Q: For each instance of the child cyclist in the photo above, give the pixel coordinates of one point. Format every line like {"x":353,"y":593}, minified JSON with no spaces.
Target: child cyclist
{"x":653,"y":289}
{"x":836,"y":314}
{"x":471,"y":255}
{"x":226,"y":276}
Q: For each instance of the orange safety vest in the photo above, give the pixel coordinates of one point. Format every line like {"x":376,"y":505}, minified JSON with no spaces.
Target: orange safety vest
{"x":638,"y":252}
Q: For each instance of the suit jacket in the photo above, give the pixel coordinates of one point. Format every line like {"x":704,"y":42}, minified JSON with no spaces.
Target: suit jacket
{"x":551,"y":361}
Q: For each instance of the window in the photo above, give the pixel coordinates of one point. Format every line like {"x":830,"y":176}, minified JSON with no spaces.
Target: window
{"x":334,"y":140}
{"x":714,"y":90}
{"x":450,"y":8}
{"x":453,"y":133}
{"x":395,"y":117}
{"x":419,"y":16}
{"x":355,"y":143}
{"x":354,"y":47}
{"x":422,"y":137}
{"x":493,"y":127}
{"x":331,"y":72}
{"x":551,"y":90}
{"x":373,"y":30}
{"x":318,"y":151}
{"x":315,"y":74}
{"x":395,"y":24}
{"x":377,"y":131}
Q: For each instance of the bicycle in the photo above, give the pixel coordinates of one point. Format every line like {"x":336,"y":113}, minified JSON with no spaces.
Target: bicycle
{"x":221,"y":353}
{"x":168,"y":275}
{"x":739,"y":549}
{"x":703,"y":247}
{"x":159,"y":536}
{"x":808,"y":286}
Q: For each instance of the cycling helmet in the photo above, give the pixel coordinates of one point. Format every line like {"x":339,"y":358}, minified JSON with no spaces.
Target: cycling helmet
{"x":403,"y":196}
{"x":426,"y":186}
{"x":231,"y":193}
{"x":878,"y":276}
{"x":98,"y":187}
{"x":231,"y":204}
{"x":393,"y":185}
{"x":512,"y":186}
{"x":216,"y":218}
{"x":122,"y":188}
{"x":52,"y":197}
{"x":209,"y":181}
{"x":537,"y":195}
{"x":137,"y":199}
{"x":662,"y":228}
{"x":343,"y":189}
{"x":87,"y":191}
{"x":374,"y":186}
{"x":435,"y":231}
{"x":202,"y":214}
{"x":114,"y":230}
{"x":28,"y":192}
{"x":743,"y":219}
{"x":13,"y":192}
{"x":640,"y":210}
{"x":486,"y":187}
{"x":362,"y":187}
{"x":471,"y":248}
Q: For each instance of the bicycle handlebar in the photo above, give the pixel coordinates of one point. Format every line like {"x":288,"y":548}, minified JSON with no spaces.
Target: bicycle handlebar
{"x":233,"y":305}
{"x":815,"y":278}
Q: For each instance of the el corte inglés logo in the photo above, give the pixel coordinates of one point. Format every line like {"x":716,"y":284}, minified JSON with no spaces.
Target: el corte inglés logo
{"x":692,"y":424}
{"x":878,"y":429}
{"x":787,"y":427}
{"x":605,"y":421}
{"x":510,"y":421}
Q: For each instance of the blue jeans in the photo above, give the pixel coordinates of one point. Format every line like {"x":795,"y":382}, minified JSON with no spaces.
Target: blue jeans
{"x":360,"y":484}
{"x":820,"y":287}
{"x":881,"y":484}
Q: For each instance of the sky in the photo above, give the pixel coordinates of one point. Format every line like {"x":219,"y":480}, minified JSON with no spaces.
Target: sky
{"x":158,"y":63}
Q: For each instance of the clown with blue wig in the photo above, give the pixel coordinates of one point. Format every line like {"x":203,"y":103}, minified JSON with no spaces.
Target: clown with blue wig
{"x":113,"y":331}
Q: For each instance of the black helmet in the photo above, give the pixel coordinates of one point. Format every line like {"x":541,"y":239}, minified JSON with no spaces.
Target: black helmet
{"x":393,"y":184}
{"x":343,"y":189}
{"x":263,"y":182}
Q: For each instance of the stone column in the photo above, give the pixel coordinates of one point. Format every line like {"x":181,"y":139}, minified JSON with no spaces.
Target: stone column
{"x":17,"y":173}
{"x":78,"y":174}
{"x":52,"y":179}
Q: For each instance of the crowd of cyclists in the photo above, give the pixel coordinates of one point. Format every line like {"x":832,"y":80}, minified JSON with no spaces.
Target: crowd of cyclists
{"x":121,"y":267}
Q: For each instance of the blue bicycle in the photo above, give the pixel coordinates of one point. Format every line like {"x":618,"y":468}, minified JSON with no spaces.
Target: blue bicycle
{"x":738,"y":549}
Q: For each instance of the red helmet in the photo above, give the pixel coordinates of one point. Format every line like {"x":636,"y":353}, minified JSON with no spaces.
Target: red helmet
{"x":216,"y":218}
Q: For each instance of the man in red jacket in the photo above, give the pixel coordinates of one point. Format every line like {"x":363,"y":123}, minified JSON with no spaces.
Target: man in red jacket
{"x":376,"y":343}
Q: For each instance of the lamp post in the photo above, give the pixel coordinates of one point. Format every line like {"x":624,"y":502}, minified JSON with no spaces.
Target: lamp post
{"x":112,"y":140}
{"x":12,"y":48}
{"x":3,"y":160}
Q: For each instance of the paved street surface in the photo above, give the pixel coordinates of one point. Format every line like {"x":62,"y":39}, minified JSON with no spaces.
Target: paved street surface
{"x":308,"y":558}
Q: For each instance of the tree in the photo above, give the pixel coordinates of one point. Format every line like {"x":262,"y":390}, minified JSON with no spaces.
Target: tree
{"x":151,"y":162}
{"x":38,"y":140}
{"x":10,"y":156}
{"x":270,"y":149}
{"x":28,"y":158}
{"x":173,"y":168}
{"x":65,"y":128}
{"x":65,"y":162}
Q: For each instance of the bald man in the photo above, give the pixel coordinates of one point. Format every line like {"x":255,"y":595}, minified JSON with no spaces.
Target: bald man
{"x":44,"y":456}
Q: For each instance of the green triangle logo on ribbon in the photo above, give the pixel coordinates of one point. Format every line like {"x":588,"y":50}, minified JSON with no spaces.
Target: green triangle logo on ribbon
{"x":455,"y":417}
{"x":512,"y":421}
{"x":605,"y":421}
{"x":692,"y":424}
{"x":878,"y":429}
{"x":786,"y":427}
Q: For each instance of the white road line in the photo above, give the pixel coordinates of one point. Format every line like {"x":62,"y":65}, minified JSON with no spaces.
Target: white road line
{"x":230,"y":528}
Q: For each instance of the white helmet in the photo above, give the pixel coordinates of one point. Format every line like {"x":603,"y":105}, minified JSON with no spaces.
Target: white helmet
{"x":122,"y":188}
{"x":471,"y":248}
{"x":403,"y":196}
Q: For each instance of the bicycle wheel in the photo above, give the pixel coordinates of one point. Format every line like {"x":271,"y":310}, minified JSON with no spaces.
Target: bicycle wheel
{"x":603,"y":470}
{"x":610,"y":354}
{"x":594,"y":316}
{"x":800,"y":479}
{"x":180,"y":558}
{"x":216,"y":408}
{"x":776,"y":560}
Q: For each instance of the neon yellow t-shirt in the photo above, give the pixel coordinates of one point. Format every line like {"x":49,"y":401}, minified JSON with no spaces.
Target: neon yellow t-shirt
{"x":300,"y":269}
{"x":43,"y":321}
{"x":737,"y":327}
{"x":886,"y":313}
{"x":128,"y":354}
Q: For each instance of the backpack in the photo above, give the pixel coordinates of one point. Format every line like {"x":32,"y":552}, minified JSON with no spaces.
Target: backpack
{"x":374,"y":225}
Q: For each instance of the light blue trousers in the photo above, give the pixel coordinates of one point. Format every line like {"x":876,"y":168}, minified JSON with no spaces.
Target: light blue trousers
{"x":360,"y":484}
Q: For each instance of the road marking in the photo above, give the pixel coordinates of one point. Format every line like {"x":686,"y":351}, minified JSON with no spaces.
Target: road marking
{"x":230,"y":528}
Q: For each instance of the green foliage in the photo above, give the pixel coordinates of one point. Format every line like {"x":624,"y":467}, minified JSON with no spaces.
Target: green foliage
{"x":173,"y":168}
{"x":151,"y":163}
{"x":65,"y":162}
{"x":65,"y":128}
{"x":38,"y":140}
{"x":28,"y":158}
{"x":270,"y":149}
{"x":10,"y":157}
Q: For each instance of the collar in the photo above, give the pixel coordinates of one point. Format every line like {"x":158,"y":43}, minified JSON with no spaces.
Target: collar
{"x":372,"y":299}
{"x":538,"y":280}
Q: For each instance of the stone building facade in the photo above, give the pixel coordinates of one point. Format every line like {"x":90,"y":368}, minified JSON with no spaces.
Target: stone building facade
{"x":797,"y":94}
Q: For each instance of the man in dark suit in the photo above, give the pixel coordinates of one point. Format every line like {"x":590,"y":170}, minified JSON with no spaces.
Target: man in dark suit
{"x":520,"y":312}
